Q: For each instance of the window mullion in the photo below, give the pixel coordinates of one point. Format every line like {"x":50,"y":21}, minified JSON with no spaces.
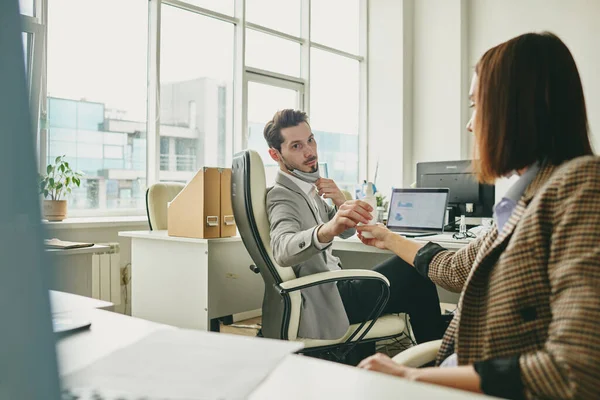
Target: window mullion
{"x":153,"y":96}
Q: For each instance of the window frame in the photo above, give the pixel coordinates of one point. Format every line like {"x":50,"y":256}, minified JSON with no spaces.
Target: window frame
{"x":242,"y":75}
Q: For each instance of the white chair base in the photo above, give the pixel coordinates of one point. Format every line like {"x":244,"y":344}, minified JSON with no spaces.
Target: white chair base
{"x":386,"y":326}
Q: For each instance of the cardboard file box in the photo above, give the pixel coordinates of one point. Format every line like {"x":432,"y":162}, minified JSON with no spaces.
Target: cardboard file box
{"x":228,"y":228}
{"x":203,"y":208}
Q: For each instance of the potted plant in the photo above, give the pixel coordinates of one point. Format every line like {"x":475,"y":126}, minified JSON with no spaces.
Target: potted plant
{"x":381,"y":206}
{"x":55,"y":185}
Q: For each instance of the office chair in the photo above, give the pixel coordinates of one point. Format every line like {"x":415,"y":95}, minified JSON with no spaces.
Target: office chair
{"x":282,"y":299}
{"x":347,"y":194}
{"x":419,"y":355}
{"x":157,"y":197}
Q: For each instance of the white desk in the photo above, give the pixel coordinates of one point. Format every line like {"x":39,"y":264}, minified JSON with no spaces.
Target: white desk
{"x":97,"y":248}
{"x":187,"y":282}
{"x":354,"y":244}
{"x":175,"y":364}
{"x":296,"y":377}
{"x":61,"y":302}
{"x":300,"y":377}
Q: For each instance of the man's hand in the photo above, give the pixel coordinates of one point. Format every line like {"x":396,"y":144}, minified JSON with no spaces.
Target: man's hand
{"x":382,"y":363}
{"x":329,"y":190}
{"x":381,"y":236}
{"x":348,"y":216}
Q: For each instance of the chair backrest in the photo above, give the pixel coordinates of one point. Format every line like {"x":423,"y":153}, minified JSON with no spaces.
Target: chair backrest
{"x":157,"y":197}
{"x":248,"y":195}
{"x":347,"y":194}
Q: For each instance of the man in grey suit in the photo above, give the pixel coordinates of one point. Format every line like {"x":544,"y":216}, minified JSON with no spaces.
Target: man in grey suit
{"x":303,"y":226}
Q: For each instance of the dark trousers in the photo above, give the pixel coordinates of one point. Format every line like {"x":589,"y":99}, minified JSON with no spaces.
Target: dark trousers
{"x":409,"y":293}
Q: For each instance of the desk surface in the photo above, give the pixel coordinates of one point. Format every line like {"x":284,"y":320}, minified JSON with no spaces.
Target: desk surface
{"x":97,"y":248}
{"x":351,"y":244}
{"x":61,"y":302}
{"x":110,"y":332}
{"x":354,"y":244}
{"x":164,"y":235}
{"x":301,"y":377}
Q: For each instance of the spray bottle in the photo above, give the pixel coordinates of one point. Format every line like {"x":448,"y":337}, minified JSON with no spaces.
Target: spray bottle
{"x":372,"y":201}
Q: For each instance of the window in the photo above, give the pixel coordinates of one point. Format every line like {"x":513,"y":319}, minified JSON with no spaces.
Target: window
{"x":271,"y":53}
{"x":196,"y":86}
{"x":220,"y":6}
{"x":345,"y":36}
{"x":26,"y":51}
{"x":27,"y":7}
{"x":265,"y":97}
{"x":334,"y":114}
{"x":97,"y":98}
{"x":280,"y":15}
{"x":204,"y":102}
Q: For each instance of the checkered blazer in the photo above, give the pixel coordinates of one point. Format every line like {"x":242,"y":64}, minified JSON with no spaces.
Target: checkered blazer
{"x":533,"y":290}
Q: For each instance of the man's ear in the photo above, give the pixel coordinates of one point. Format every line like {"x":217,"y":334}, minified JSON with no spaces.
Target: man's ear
{"x":274,"y":154}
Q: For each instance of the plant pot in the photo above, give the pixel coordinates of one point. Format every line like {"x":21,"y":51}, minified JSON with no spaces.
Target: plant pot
{"x":55,"y":210}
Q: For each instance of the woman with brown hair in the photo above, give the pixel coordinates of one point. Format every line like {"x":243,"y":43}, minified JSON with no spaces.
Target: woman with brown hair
{"x":528,"y":320}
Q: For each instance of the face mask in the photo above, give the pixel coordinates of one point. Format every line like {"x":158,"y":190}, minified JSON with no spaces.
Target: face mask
{"x":308,"y":177}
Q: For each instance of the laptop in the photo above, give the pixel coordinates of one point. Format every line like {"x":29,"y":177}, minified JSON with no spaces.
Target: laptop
{"x":417,"y":212}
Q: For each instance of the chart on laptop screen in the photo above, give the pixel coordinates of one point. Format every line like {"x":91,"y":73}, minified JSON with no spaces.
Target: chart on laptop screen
{"x":417,"y":210}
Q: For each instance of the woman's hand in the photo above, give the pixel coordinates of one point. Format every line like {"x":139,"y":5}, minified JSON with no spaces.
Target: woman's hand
{"x":382,"y":236}
{"x":382,"y":363}
{"x":462,"y":377}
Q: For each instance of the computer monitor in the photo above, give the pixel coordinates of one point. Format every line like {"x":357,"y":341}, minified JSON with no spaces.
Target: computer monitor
{"x":467,"y":196}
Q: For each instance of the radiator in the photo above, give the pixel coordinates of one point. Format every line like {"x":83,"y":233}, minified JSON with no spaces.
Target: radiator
{"x":106,"y":275}
{"x":90,"y":272}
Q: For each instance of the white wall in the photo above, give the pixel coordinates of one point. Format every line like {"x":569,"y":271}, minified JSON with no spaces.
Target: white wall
{"x":442,"y":40}
{"x":438,"y":83}
{"x":388,"y":93}
{"x":576,"y":22}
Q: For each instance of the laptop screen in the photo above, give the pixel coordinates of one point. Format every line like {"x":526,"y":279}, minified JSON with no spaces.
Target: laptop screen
{"x":417,"y":210}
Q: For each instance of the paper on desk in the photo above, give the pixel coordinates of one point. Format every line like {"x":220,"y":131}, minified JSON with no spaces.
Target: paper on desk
{"x":184,"y":364}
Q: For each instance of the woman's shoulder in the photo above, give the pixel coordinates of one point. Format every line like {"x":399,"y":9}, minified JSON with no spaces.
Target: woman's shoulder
{"x":585,"y":168}
{"x":575,"y":175}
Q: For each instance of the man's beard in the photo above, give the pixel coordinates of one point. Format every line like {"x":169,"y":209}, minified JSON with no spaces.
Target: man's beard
{"x":290,"y":167}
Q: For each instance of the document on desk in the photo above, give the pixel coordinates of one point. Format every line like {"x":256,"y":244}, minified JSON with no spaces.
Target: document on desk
{"x":183,"y":364}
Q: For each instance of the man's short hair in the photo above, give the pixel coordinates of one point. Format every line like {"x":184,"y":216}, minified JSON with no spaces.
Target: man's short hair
{"x":282,"y":119}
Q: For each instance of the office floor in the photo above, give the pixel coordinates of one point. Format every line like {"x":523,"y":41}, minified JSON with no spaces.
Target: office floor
{"x":250,"y":327}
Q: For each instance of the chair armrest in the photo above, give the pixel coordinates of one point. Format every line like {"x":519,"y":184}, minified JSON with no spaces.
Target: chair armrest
{"x":330,"y":276}
{"x":418,"y":355}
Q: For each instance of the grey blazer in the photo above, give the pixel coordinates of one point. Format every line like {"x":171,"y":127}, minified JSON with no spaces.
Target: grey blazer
{"x":293,"y":222}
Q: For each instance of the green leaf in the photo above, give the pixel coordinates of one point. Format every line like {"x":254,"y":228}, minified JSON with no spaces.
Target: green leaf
{"x":57,"y":160}
{"x":67,"y":181}
{"x":77,"y":181}
{"x":51,"y":180}
{"x":62,"y":168}
{"x":49,"y":169}
{"x":45,"y":193}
